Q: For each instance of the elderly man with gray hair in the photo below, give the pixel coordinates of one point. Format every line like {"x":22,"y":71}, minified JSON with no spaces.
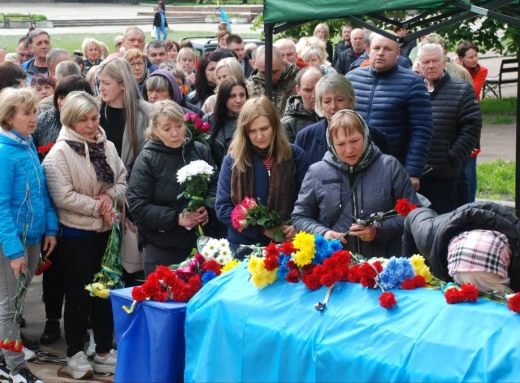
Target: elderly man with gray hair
{"x":40,"y":45}
{"x":54,"y":57}
{"x":457,"y":123}
{"x":287,"y":48}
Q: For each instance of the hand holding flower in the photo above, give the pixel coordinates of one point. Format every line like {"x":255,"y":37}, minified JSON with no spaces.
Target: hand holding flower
{"x":289,"y":232}
{"x":110,"y":217}
{"x":18,"y":266}
{"x":365,"y":233}
{"x":335,"y":235}
{"x":189,"y":219}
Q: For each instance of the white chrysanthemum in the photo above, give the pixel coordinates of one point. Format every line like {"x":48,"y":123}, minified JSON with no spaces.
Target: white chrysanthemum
{"x":194,"y":168}
{"x":211,"y":249}
{"x":223,"y":243}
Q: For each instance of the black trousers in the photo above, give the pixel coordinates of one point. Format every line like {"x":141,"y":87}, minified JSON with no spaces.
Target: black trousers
{"x":53,"y":287}
{"x":81,"y":257}
{"x":442,"y":193}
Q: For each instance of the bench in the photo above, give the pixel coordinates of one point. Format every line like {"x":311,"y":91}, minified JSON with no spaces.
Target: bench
{"x":8,"y":19}
{"x":507,"y":66}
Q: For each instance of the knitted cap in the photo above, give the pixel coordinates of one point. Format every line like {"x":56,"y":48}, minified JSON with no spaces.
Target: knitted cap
{"x":479,"y":250}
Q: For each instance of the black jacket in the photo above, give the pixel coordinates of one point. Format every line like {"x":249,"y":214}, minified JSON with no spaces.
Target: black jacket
{"x":429,"y":234}
{"x":340,"y":48}
{"x":248,"y":68}
{"x":48,"y":128}
{"x":157,"y":20}
{"x":153,"y":190}
{"x":345,"y":60}
{"x":220,"y":143}
{"x":457,"y":123}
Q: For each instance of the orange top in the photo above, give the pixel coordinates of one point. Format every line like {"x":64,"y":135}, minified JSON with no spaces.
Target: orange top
{"x":479,"y":75}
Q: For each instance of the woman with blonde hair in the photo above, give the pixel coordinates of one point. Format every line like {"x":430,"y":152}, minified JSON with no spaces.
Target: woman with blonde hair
{"x":124,"y":115}
{"x":26,"y":214}
{"x":85,"y":176}
{"x":226,"y":68}
{"x":316,"y":56}
{"x":166,"y":232}
{"x":260,"y":164}
{"x":91,"y":49}
{"x":322,"y":32}
{"x":187,"y":59}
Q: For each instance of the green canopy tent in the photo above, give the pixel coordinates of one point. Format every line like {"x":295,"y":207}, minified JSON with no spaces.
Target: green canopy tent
{"x":280,"y":15}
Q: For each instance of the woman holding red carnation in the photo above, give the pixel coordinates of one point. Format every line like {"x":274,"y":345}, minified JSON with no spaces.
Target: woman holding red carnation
{"x":478,"y":243}
{"x":263,"y":165}
{"x":353,"y":181}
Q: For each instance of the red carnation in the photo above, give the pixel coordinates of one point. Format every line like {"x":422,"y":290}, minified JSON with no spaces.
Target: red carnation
{"x":312,"y":281}
{"x":291,"y":265}
{"x":212,"y":266}
{"x":138,"y":294}
{"x":403,"y":207}
{"x":17,"y":346}
{"x":408,"y":284}
{"x":368,"y":282}
{"x":514,"y":303}
{"x":419,"y":281}
{"x":271,"y":262}
{"x":343,"y":257}
{"x":195,"y":284}
{"x":288,"y":248}
{"x":271,"y":250}
{"x":353,"y":274}
{"x":453,"y":296}
{"x":308,"y":269}
{"x":163,"y":272}
{"x":293,"y":276}
{"x":470,"y":292}
{"x":387,"y":300}
{"x":327,"y":279}
{"x":331,"y":263}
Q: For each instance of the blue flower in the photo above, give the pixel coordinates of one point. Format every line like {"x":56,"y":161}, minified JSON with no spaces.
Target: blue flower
{"x":335,"y":245}
{"x":208,"y":276}
{"x":283,"y":270}
{"x":396,"y":271}
{"x":324,"y":249}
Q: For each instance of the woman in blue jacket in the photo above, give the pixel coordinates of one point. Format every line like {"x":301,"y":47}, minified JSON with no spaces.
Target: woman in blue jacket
{"x":26,"y":215}
{"x":261,"y":164}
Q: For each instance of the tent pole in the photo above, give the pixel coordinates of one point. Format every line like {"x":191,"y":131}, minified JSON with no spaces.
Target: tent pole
{"x":517,"y":172}
{"x":268,"y":32}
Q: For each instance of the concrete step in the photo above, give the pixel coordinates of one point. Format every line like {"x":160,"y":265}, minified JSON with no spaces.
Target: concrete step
{"x":139,"y":21}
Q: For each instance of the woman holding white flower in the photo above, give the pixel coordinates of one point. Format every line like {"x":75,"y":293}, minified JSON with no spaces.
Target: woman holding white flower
{"x":166,"y":233}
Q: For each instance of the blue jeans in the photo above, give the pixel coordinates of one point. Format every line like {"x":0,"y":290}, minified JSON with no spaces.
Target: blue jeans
{"x":470,"y":168}
{"x":163,"y":31}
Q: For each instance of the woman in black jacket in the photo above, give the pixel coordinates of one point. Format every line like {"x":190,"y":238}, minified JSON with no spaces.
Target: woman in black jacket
{"x":165,"y":233}
{"x":231,"y":97}
{"x":430,"y":234}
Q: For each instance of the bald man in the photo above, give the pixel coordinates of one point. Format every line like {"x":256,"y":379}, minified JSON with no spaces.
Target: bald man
{"x":287,"y":48}
{"x":283,"y":77}
{"x":395,"y":101}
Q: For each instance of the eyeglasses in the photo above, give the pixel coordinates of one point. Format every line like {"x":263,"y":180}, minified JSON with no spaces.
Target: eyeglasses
{"x":137,"y":64}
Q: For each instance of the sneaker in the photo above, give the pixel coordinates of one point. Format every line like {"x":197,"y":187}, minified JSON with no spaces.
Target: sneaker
{"x":79,"y":367}
{"x":51,"y":333}
{"x":106,"y":363}
{"x":24,"y":376}
{"x":4,"y":372}
{"x":91,"y":350}
{"x":30,"y":344}
{"x":29,"y":354}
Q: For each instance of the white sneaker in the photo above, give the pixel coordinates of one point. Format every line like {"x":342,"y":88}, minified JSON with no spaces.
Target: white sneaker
{"x":106,"y":363}
{"x":79,"y":367}
{"x":29,"y":354}
{"x":91,"y":350}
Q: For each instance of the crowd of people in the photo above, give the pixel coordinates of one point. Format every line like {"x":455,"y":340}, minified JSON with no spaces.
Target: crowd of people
{"x":348,"y":132}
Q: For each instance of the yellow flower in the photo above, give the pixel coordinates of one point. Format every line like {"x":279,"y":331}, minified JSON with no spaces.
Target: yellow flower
{"x":305,"y":243}
{"x":230,"y":265}
{"x":263,"y":278}
{"x":417,"y":261}
{"x":255,"y":264}
{"x":104,"y":293}
{"x":425,"y":272}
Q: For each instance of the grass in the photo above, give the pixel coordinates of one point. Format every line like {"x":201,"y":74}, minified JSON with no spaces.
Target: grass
{"x":72,"y":42}
{"x":496,"y":180}
{"x":499,"y":106}
{"x":499,"y":120}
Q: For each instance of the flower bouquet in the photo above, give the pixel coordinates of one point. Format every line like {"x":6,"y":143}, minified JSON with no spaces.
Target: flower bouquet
{"x":197,"y":127}
{"x":43,"y":264}
{"x":110,"y":277}
{"x":44,"y":150}
{"x":183,"y":282}
{"x":249,"y":212}
{"x":196,"y":176}
{"x":402,"y":207}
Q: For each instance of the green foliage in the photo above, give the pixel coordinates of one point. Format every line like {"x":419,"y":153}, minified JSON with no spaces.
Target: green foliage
{"x":496,"y":180}
{"x":22,"y":17}
{"x":484,"y":34}
{"x":196,"y":190}
{"x":499,"y":106}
